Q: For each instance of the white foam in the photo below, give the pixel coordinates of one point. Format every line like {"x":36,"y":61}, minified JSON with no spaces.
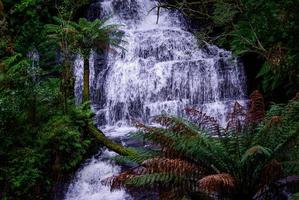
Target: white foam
{"x":88,"y":185}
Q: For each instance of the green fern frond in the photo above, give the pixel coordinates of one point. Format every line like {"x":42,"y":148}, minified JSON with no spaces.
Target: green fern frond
{"x":256,"y":151}
{"x":291,"y":167}
{"x":177,"y":125}
{"x":138,"y":158}
{"x":154,"y":180}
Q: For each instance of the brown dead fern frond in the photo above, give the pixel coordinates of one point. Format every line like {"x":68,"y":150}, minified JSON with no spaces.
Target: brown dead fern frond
{"x":276,"y":56}
{"x":175,"y":166}
{"x":118,"y":182}
{"x":203,"y":121}
{"x":256,"y":112}
{"x":236,"y":119}
{"x":275,"y":120}
{"x":271,"y":172}
{"x":217,"y":183}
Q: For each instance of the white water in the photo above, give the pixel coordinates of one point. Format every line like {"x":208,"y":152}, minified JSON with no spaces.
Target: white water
{"x":88,"y":184}
{"x":162,"y":70}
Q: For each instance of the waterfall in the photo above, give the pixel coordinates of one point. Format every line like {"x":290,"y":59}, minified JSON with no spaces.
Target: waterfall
{"x":160,"y":69}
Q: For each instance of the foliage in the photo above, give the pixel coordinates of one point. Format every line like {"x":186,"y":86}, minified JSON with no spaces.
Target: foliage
{"x":267,"y":28}
{"x":40,"y":144}
{"x":83,"y":36}
{"x":246,"y":161}
{"x":43,"y":135}
{"x":296,"y":196}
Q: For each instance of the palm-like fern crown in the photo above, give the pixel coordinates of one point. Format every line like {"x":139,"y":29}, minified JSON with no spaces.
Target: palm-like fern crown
{"x":198,"y":157}
{"x":82,"y":36}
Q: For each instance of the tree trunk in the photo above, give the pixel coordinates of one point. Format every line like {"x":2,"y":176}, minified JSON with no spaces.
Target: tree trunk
{"x":86,"y":80}
{"x":32,"y":109}
{"x":99,"y":135}
{"x":1,"y":8}
{"x":67,"y":85}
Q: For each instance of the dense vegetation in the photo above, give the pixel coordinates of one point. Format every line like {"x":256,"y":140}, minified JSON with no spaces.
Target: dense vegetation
{"x":44,"y":135}
{"x":255,"y":157}
{"x":42,"y":138}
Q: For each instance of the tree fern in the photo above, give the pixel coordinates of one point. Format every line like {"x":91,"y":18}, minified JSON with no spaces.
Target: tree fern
{"x":241,"y":161}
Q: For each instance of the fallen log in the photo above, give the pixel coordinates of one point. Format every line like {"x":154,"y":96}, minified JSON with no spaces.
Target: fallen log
{"x":111,"y":145}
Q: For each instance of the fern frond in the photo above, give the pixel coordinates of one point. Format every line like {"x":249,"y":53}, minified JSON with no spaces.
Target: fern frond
{"x":138,"y":158}
{"x":206,"y":150}
{"x":256,"y":151}
{"x":204,"y":122}
{"x":217,"y":183}
{"x":118,"y":182}
{"x":291,"y":167}
{"x":256,"y":110}
{"x":174,"y":166}
{"x":158,"y":135}
{"x":162,"y":181}
{"x":271,"y":172}
{"x":236,"y":119}
{"x":176,"y":125}
{"x":288,"y":142}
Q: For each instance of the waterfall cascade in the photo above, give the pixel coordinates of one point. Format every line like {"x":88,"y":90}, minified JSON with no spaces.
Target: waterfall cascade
{"x":160,"y":70}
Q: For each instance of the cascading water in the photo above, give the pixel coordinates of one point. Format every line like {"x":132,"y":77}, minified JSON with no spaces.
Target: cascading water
{"x":160,"y":70}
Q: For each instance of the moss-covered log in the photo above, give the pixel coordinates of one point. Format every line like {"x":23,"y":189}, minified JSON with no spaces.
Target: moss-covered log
{"x":99,"y":135}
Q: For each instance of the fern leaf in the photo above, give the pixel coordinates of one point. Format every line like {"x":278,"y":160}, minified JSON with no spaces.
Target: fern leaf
{"x":271,"y":172}
{"x":204,"y":122}
{"x":256,"y":111}
{"x":155,"y":181}
{"x":175,"y":166}
{"x":254,"y":151}
{"x":217,"y":183}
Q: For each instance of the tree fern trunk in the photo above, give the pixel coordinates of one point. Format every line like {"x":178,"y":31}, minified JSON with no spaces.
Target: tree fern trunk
{"x":64,"y":88}
{"x":32,"y":109}
{"x":86,"y":80}
{"x":1,"y":8}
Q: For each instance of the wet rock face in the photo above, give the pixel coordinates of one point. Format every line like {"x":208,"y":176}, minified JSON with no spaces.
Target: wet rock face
{"x":94,"y":11}
{"x":99,"y":69}
{"x":126,"y":9}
